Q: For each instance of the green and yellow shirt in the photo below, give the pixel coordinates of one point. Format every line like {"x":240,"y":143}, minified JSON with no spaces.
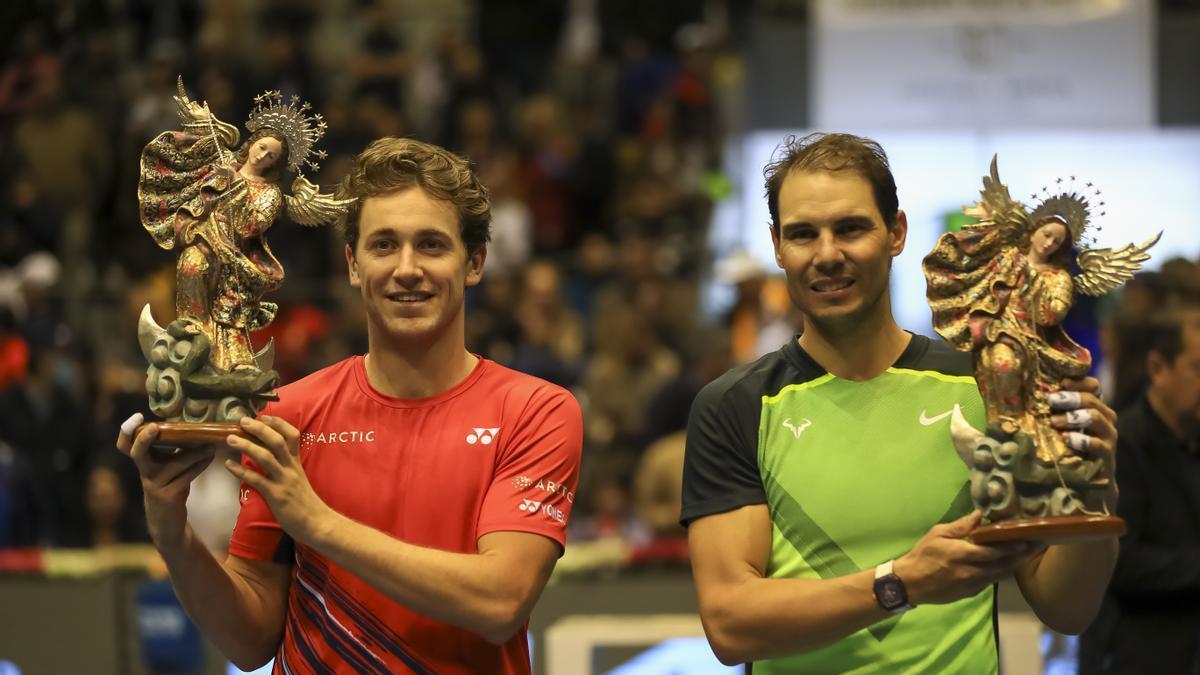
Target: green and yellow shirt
{"x":853,"y":474}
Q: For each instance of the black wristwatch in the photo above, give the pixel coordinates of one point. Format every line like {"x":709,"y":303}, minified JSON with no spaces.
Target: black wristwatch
{"x":890,"y":592}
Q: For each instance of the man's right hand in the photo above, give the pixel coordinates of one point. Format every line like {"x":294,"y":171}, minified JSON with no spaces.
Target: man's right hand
{"x":944,"y":567}
{"x":166,"y":481}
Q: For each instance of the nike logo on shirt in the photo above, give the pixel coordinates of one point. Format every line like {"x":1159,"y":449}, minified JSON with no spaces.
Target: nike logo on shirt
{"x":926,"y":421}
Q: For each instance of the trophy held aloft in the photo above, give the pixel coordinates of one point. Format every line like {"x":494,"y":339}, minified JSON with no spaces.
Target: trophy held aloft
{"x":211,"y":198}
{"x":1001,"y":289}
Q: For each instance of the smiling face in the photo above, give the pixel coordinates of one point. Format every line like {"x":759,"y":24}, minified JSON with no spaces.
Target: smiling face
{"x":1046,"y":241}
{"x":412,"y":268}
{"x":835,"y":247}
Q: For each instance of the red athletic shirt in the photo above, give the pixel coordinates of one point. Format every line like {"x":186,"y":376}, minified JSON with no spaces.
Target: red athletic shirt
{"x":498,"y":452}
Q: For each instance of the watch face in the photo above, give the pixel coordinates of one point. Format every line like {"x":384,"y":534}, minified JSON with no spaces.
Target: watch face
{"x":890,"y":592}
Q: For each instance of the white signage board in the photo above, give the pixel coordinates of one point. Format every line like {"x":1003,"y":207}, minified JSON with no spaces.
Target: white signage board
{"x":982,"y":64}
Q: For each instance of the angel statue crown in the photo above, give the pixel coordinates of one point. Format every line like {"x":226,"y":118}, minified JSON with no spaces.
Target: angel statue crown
{"x":1100,"y":269}
{"x":1071,"y":209}
{"x":300,"y":130}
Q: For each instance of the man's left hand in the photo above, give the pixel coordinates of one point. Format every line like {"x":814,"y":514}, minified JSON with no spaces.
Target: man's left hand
{"x":281,"y":479}
{"x":1089,"y":427}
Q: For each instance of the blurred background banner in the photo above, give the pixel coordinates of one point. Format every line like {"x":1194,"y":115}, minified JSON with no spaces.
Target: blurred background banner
{"x":983,"y":64}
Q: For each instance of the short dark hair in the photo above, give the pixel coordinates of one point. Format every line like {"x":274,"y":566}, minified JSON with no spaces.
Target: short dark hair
{"x":391,"y":164}
{"x":833,"y":152}
{"x":1164,"y":335}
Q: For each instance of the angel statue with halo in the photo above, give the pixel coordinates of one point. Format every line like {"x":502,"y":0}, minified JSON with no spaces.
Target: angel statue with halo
{"x":211,"y":199}
{"x":1001,"y":289}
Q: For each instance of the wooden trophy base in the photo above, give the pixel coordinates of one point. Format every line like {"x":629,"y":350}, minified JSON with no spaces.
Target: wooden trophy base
{"x":177,"y":438}
{"x":1054,"y":530}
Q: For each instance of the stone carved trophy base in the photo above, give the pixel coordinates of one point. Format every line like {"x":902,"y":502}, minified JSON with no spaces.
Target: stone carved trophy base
{"x":1026,"y":500}
{"x":200,"y":404}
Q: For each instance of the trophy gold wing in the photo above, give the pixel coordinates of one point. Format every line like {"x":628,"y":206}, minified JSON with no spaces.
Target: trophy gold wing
{"x":198,"y":120}
{"x":1103,"y":269}
{"x":307,"y":205}
{"x":997,"y":208}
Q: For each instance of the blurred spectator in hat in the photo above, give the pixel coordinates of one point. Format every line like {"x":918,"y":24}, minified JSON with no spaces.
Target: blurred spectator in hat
{"x":38,"y":311}
{"x":761,"y":317}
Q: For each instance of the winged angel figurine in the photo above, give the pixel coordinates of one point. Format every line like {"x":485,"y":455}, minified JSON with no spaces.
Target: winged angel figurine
{"x":211,"y":199}
{"x":1001,"y":289}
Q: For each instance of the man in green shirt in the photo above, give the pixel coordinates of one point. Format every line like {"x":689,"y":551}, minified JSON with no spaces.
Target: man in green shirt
{"x":822,"y":493}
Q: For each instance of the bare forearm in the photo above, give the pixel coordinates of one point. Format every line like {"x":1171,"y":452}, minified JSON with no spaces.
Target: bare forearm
{"x":228,"y":610}
{"x":764,"y":618}
{"x":1066,"y":584}
{"x":462,"y":589}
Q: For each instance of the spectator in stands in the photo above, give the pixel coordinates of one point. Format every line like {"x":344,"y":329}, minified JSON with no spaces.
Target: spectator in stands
{"x":551,"y":340}
{"x":629,"y":367}
{"x":110,"y":520}
{"x":1150,"y":621}
{"x":49,"y":426}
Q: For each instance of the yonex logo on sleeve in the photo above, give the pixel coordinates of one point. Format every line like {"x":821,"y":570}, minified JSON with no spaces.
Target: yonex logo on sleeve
{"x":549,"y":510}
{"x":529,"y":505}
{"x":482,"y":435}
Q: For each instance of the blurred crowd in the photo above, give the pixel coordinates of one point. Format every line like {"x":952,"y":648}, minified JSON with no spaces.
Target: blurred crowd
{"x":1126,"y":321}
{"x":598,"y":128}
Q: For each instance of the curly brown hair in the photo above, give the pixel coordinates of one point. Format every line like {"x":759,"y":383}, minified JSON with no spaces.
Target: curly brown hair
{"x":391,"y":164}
{"x":833,"y":152}
{"x":276,"y":171}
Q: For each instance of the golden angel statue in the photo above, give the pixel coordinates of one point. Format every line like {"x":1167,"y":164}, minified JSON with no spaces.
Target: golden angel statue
{"x":1001,"y":289}
{"x":211,"y":199}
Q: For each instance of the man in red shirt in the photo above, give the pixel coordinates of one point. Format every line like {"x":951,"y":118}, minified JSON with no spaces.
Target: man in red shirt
{"x":402,"y":510}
